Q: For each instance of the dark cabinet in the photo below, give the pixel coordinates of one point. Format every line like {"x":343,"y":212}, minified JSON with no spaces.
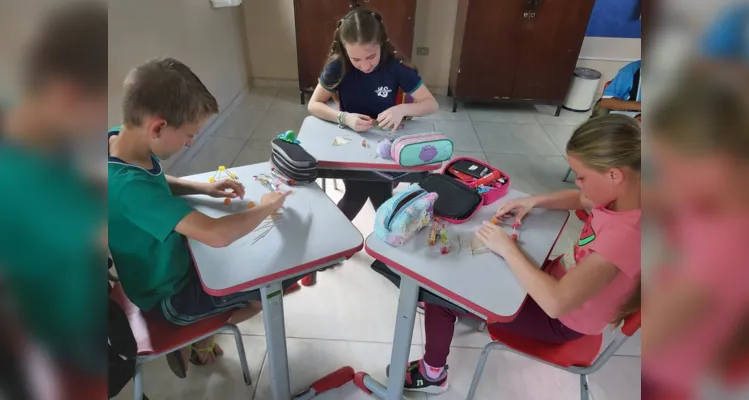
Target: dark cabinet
{"x":315,"y":22}
{"x":517,"y":50}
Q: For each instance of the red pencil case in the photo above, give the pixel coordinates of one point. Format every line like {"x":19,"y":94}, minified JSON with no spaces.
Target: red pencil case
{"x":458,"y":198}
{"x":475,"y":174}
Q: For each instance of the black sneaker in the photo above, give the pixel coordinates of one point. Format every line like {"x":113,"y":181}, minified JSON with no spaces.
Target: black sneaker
{"x":417,"y":381}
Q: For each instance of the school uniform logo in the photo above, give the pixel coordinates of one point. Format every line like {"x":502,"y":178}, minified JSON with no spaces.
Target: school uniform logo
{"x":383,"y":91}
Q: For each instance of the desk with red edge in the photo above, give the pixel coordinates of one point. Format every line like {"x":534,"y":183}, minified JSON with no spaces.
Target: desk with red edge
{"x":299,"y":244}
{"x":352,"y":160}
{"x":482,"y":284}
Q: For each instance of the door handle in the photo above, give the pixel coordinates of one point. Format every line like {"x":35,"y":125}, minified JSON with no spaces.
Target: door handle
{"x":530,"y":8}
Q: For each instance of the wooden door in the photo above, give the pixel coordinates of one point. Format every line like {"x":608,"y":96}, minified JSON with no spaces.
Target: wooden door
{"x":398,"y":17}
{"x":550,"y":45}
{"x":488,"y":50}
{"x":315,"y":22}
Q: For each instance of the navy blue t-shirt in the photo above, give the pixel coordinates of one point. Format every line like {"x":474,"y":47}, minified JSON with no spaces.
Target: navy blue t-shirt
{"x":372,"y":93}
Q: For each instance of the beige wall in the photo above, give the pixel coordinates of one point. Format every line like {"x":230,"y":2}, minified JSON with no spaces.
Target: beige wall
{"x":210,"y":41}
{"x":272,"y":42}
{"x":18,"y":20}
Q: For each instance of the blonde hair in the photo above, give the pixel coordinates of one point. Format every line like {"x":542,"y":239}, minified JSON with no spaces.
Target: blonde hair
{"x":602,"y":143}
{"x":701,"y":115}
{"x":605,"y":142}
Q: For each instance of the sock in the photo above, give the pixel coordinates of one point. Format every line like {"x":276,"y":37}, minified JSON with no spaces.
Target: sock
{"x":432,"y":372}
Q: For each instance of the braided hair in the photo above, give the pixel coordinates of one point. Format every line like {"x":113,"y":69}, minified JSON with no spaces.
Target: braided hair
{"x":360,"y":26}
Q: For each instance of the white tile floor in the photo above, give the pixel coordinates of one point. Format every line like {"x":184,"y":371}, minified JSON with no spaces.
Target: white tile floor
{"x":348,"y":317}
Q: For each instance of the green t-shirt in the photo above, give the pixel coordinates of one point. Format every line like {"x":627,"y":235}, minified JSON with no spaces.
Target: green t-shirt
{"x":52,"y":257}
{"x":152,"y":260}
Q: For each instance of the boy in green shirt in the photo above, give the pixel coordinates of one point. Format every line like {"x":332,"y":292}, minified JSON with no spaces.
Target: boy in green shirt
{"x":164,"y":106}
{"x":53,"y":239}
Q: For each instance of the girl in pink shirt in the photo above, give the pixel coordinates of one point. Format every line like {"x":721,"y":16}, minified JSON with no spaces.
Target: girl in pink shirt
{"x":697,"y":309}
{"x":583,"y":291}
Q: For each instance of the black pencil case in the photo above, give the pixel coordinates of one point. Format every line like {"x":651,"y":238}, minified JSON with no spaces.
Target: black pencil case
{"x":456,"y":203}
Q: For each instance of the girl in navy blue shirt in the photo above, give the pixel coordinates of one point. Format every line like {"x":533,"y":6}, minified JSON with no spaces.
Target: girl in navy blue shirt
{"x":364,"y":72}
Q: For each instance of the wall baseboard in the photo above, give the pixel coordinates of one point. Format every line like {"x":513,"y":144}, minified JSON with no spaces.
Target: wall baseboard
{"x":277,"y":83}
{"x":188,"y":153}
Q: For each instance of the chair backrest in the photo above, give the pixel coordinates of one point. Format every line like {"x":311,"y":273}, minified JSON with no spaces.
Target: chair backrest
{"x":630,"y":326}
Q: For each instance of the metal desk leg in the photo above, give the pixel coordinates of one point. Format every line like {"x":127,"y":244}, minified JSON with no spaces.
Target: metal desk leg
{"x":567,"y":176}
{"x":404,"y":327}
{"x":275,"y":337}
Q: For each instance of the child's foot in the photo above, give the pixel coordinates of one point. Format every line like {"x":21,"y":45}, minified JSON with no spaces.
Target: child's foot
{"x":418,"y":380}
{"x":205,"y":352}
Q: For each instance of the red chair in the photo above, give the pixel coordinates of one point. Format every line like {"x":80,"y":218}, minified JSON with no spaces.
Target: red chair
{"x":578,"y":356}
{"x":156,"y":336}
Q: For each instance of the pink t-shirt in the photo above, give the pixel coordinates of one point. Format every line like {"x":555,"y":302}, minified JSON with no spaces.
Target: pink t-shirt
{"x":615,"y":236}
{"x":713,"y":254}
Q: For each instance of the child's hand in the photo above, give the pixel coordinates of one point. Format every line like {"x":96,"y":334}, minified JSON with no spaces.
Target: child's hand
{"x":359,"y":122}
{"x":496,"y":239}
{"x":274,"y":200}
{"x":219,"y":189}
{"x":519,"y":207}
{"x":391,"y":118}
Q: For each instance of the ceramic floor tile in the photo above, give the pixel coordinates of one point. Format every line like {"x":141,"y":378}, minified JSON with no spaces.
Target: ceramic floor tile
{"x":533,"y":174}
{"x":618,"y":379}
{"x":511,"y":138}
{"x":241,"y":123}
{"x":216,"y":151}
{"x":545,"y":115}
{"x":445,"y":111}
{"x":350,"y":302}
{"x":507,"y":376}
{"x":518,"y":114}
{"x":560,"y":135}
{"x":220,"y":381}
{"x":253,"y":152}
{"x":630,"y":348}
{"x":461,"y":133}
{"x":287,"y":99}
{"x":479,"y":155}
{"x":310,"y":360}
{"x":259,"y":98}
{"x":277,"y":121}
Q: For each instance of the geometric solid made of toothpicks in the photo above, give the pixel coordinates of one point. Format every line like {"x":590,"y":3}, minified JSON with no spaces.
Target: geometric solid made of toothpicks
{"x":222,"y":173}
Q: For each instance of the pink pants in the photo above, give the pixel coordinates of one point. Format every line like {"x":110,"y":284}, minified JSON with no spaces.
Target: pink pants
{"x":531,"y":322}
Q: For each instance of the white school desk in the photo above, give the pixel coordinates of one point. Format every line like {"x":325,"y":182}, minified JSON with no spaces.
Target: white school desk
{"x":302,"y":242}
{"x":482,"y":284}
{"x":317,"y":137}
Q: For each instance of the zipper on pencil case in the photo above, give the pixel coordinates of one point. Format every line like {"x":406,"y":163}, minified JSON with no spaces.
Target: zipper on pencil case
{"x":403,"y":204}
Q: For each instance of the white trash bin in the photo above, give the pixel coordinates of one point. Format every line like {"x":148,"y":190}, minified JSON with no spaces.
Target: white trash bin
{"x":583,"y":89}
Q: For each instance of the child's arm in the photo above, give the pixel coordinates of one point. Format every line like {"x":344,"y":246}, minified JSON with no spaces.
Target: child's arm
{"x":572,"y":199}
{"x":613,"y":103}
{"x":221,"y":232}
{"x":560,"y":297}
{"x":183,"y":187}
{"x":318,"y":104}
{"x":424,"y":103}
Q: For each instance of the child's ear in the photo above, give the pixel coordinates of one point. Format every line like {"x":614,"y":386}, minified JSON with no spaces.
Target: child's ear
{"x":156,"y":127}
{"x":616,"y":175}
